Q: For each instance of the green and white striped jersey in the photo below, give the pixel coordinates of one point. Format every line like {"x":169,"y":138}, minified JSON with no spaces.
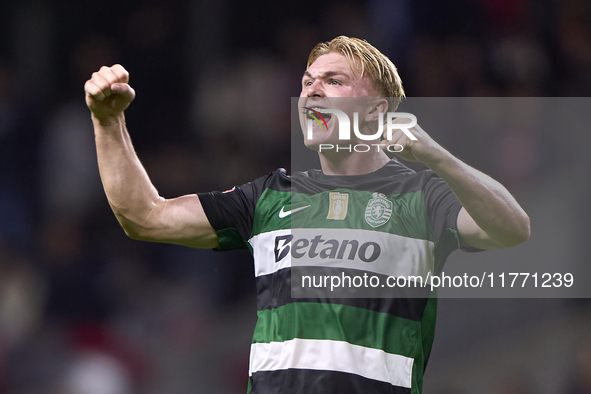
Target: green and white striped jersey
{"x":390,"y":223}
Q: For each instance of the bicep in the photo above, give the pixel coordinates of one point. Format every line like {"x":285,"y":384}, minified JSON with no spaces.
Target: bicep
{"x":180,"y":221}
{"x":471,"y":234}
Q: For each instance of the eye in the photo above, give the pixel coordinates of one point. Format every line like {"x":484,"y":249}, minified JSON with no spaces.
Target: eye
{"x":335,"y":82}
{"x":307,"y":83}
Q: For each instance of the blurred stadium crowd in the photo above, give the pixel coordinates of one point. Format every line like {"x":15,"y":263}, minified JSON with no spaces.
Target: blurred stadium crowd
{"x":85,"y":310}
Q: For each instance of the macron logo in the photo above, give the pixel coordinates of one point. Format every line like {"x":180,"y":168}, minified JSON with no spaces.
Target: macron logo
{"x":283,"y":213}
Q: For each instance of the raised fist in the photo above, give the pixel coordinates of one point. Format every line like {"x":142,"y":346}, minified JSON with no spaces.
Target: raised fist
{"x":108,"y":93}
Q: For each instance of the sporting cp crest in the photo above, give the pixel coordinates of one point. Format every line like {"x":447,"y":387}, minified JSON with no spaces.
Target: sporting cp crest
{"x":378,"y":210}
{"x":339,"y":203}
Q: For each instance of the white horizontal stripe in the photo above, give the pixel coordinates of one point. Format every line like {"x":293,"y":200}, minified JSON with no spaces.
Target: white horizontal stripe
{"x":399,"y":256}
{"x":332,"y":356}
{"x":263,"y":252}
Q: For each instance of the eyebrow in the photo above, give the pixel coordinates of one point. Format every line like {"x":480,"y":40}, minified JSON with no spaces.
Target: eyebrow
{"x":326,"y":74}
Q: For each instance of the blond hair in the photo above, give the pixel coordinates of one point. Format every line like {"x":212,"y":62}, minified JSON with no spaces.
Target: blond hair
{"x":365,"y":58}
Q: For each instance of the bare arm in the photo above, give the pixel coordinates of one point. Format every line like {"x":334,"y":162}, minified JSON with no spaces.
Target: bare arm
{"x":140,"y":210}
{"x":490,"y":217}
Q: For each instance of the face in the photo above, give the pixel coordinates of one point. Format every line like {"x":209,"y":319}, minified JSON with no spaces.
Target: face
{"x":329,"y":83}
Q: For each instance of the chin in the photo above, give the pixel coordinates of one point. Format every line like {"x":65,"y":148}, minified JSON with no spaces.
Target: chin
{"x":313,"y":145}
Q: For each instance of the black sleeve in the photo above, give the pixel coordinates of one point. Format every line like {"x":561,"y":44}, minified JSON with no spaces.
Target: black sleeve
{"x":231,"y":213}
{"x":443,"y":208}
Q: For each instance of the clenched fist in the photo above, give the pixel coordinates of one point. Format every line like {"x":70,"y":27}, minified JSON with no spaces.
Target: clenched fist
{"x":425,"y":149}
{"x":108,"y":93}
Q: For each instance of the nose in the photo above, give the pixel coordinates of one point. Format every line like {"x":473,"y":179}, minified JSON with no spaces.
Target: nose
{"x":315,"y":89}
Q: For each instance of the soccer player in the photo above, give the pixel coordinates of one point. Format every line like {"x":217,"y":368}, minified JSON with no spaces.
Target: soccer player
{"x":361,"y":210}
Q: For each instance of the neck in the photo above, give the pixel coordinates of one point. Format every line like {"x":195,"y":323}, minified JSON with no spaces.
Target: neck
{"x":354,"y":163}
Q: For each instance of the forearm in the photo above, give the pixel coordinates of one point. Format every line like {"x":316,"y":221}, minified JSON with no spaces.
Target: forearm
{"x":127,"y":185}
{"x":488,"y":202}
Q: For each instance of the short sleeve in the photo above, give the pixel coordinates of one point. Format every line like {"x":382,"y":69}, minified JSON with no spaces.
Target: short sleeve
{"x":231,"y":213}
{"x":443,"y":208}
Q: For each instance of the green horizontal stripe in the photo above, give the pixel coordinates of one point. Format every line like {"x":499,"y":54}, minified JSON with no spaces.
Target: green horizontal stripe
{"x":357,"y":326}
{"x":266,"y":214}
{"x":229,"y":238}
{"x":409,"y":216}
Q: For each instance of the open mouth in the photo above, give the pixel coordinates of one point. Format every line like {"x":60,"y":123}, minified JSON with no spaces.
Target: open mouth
{"x":315,"y":114}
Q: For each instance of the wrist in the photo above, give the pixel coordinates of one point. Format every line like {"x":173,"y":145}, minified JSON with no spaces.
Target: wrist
{"x":108,"y":121}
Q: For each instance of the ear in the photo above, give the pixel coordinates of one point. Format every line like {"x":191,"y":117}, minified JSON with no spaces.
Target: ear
{"x":378,"y":106}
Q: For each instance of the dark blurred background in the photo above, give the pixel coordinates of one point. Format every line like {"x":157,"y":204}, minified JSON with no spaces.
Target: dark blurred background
{"x":85,"y":310}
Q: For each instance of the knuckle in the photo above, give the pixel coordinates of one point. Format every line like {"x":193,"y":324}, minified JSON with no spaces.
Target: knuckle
{"x":118,"y":67}
{"x":120,"y":72}
{"x":97,"y":78}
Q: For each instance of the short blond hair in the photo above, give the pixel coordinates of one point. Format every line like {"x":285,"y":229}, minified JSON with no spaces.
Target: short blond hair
{"x":365,"y":58}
